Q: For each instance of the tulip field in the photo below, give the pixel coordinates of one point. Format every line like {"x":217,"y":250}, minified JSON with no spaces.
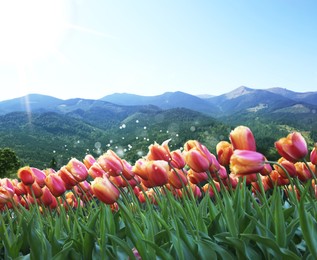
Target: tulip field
{"x":170,"y":204}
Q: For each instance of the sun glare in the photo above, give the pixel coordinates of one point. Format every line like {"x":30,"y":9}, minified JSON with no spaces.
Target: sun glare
{"x":30,"y":30}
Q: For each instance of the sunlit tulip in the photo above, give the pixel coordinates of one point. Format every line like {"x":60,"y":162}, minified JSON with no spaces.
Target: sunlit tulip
{"x":111,"y":163}
{"x":139,"y":168}
{"x":77,"y":169}
{"x":157,"y":172}
{"x":26,"y":175}
{"x":242,"y":138}
{"x":159,"y":152}
{"x":55,"y":184}
{"x":178,"y":160}
{"x":104,"y":190}
{"x":177,"y":178}
{"x":288,"y":166}
{"x":224,"y":151}
{"x":244,"y":162}
{"x":293,"y":147}
{"x":313,"y":155}
{"x":89,"y":160}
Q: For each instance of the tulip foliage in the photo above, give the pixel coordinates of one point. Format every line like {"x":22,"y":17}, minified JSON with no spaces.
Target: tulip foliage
{"x":182,"y":204}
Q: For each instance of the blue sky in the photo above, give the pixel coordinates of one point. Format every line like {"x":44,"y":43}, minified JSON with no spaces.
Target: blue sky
{"x":92,"y":48}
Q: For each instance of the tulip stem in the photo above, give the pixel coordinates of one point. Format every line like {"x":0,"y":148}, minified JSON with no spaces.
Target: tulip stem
{"x":310,"y":170}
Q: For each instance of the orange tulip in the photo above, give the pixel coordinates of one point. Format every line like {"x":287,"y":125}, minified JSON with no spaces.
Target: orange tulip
{"x":196,"y":177}
{"x":104,"y":190}
{"x":244,"y":162}
{"x":303,"y":172}
{"x":293,"y":147}
{"x":224,"y":151}
{"x":242,"y":138}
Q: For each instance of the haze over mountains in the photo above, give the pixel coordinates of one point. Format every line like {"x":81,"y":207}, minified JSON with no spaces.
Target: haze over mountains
{"x":242,"y":99}
{"x":40,"y":127}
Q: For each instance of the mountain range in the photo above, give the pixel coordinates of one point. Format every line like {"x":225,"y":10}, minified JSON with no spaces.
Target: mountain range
{"x":41,"y":128}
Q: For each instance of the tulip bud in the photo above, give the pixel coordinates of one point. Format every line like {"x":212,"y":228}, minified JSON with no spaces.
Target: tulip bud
{"x":313,"y":155}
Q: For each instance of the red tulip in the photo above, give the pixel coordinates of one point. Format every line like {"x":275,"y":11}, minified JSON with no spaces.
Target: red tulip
{"x":157,"y":172}
{"x":111,"y":163}
{"x":89,"y":160}
{"x":26,"y":175}
{"x":293,"y":147}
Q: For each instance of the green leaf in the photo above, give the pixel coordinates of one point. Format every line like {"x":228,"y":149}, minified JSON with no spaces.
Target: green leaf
{"x":279,"y":222}
{"x":308,"y":225}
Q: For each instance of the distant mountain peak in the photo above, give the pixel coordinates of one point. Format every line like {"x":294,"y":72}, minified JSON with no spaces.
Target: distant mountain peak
{"x":239,"y":92}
